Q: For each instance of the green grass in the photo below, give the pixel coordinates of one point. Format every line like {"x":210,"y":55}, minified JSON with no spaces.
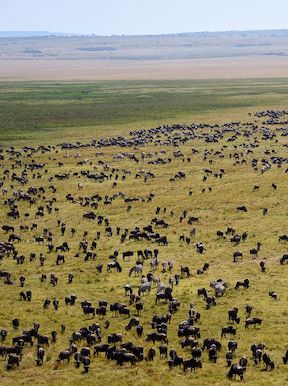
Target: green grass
{"x":92,"y":108}
{"x":216,"y":211}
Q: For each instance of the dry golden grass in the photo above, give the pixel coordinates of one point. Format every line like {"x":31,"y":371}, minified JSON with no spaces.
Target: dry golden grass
{"x":216,"y":211}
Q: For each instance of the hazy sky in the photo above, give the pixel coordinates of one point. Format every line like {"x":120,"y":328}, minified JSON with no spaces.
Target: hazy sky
{"x":128,"y":17}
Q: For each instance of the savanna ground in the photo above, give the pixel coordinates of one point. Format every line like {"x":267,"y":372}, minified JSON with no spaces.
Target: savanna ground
{"x":50,"y":113}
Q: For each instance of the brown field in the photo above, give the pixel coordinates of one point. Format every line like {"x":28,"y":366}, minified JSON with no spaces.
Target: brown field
{"x":92,"y":70}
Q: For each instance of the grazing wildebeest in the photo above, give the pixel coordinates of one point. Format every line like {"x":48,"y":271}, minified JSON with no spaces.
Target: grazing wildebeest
{"x":269,"y":364}
{"x":202,"y":291}
{"x":284,"y":259}
{"x":145,"y":287}
{"x":175,"y":360}
{"x":248,"y":309}
{"x":189,"y":342}
{"x":208,"y":342}
{"x":236,"y":370}
{"x":139,"y":307}
{"x":101,"y":311}
{"x":114,"y":338}
{"x":262,"y":266}
{"x":252,"y":322}
{"x":42,"y":339}
{"x":155,"y":336}
{"x":245,"y":283}
{"x":242,"y":208}
{"x":8,"y":228}
{"x":122,"y":357}
{"x":233,"y":315}
{"x":114,"y":265}
{"x":40,"y":355}
{"x":212,"y":353}
{"x":166,"y":295}
{"x":137,"y":270}
{"x":285,"y":358}
{"x":13,"y":359}
{"x":89,"y":310}
{"x":127,"y":254}
{"x":281,"y":238}
{"x":235,"y":239}
{"x":210,"y":301}
{"x":185,"y":271}
{"x":150,"y":354}
{"x":273,"y":295}
{"x":193,"y":363}
{"x":64,"y":355}
{"x":232,"y":345}
{"x":219,"y":287}
{"x":237,"y":255}
{"x":228,"y":330}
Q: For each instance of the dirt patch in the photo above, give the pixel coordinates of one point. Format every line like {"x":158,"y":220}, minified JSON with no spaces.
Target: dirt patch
{"x":90,"y":70}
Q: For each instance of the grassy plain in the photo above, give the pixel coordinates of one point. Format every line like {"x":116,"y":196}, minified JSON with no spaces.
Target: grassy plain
{"x":86,"y":110}
{"x":34,"y":114}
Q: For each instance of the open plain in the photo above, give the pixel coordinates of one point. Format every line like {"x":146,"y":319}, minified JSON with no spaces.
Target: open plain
{"x":186,"y":177}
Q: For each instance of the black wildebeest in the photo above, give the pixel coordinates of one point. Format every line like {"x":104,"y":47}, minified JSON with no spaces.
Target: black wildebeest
{"x":231,"y":330}
{"x":64,"y":355}
{"x":122,"y":357}
{"x":40,"y":355}
{"x":269,"y":364}
{"x":193,"y":363}
{"x":241,"y":208}
{"x":150,"y":354}
{"x":245,"y":284}
{"x":236,"y":370}
{"x":114,"y":338}
{"x":284,"y":259}
{"x":185,"y":271}
{"x":13,"y":359}
{"x":252,"y":322}
{"x":114,"y":265}
{"x":155,"y":336}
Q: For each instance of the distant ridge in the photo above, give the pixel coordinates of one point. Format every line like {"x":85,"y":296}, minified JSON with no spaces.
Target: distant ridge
{"x":29,"y":34}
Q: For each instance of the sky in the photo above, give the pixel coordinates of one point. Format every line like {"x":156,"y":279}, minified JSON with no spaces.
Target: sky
{"x":140,"y":17}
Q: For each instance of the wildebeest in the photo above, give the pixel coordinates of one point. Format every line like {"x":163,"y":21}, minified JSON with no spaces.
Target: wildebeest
{"x":122,"y":357}
{"x":284,"y":259}
{"x":185,"y":271}
{"x":13,"y":359}
{"x":155,"y":336}
{"x":150,"y":354}
{"x":231,"y":330}
{"x":193,"y":363}
{"x":269,"y":364}
{"x":64,"y":355}
{"x":245,"y":283}
{"x":236,"y":370}
{"x":145,"y":287}
{"x":219,"y":287}
{"x":175,"y":361}
{"x":242,"y":208}
{"x":208,"y":343}
{"x":40,"y":355}
{"x":252,"y":322}
{"x":114,"y":265}
{"x":114,"y":338}
{"x":136,"y":269}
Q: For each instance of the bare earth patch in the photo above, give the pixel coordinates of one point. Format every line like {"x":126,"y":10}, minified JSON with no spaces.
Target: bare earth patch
{"x":90,"y":70}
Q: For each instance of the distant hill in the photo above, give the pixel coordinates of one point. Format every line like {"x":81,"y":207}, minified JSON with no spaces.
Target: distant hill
{"x":28,"y":34}
{"x":194,"y":45}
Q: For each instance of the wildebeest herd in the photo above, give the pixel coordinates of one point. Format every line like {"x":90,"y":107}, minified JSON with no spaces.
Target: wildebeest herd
{"x":165,"y":245}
